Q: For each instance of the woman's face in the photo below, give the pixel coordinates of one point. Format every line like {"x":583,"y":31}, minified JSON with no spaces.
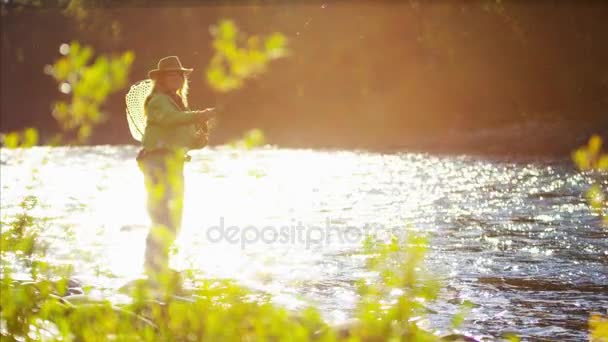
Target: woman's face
{"x":173,"y":80}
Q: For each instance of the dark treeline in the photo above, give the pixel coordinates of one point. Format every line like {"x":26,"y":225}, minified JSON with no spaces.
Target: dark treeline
{"x":360,"y":74}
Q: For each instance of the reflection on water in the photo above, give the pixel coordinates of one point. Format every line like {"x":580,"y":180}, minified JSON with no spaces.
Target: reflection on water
{"x":515,"y":238}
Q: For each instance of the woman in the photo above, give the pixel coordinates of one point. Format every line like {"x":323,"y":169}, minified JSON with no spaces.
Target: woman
{"x":171,"y":130}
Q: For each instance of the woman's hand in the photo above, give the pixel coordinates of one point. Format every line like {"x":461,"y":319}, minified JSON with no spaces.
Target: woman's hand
{"x":206,"y":118}
{"x":205,"y":114}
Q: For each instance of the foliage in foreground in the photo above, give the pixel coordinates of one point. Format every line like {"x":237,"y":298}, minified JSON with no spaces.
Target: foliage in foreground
{"x":591,"y":160}
{"x":47,"y":306}
{"x":41,"y":300}
{"x":88,"y":84}
{"x":250,"y":139}
{"x":238,"y":57}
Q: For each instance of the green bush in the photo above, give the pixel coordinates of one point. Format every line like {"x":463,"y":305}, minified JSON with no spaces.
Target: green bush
{"x":590,"y":159}
{"x":88,"y":85}
{"x":390,"y":301}
{"x":238,"y":57}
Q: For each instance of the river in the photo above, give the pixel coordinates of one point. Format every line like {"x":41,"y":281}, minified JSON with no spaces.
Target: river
{"x":514,"y":237}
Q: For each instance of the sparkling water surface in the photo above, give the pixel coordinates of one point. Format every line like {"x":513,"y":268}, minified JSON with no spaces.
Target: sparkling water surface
{"x":514,"y":237}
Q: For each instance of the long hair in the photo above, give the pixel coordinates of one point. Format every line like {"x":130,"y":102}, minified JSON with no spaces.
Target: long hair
{"x":182,"y":92}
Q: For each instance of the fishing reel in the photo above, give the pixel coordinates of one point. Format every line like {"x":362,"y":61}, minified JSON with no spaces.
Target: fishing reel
{"x":201,"y":135}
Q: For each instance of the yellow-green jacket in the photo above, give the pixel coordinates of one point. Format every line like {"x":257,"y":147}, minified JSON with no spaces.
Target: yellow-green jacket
{"x":167,"y":125}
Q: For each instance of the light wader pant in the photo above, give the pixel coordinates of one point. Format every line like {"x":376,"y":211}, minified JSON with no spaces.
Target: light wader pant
{"x":163,"y":172}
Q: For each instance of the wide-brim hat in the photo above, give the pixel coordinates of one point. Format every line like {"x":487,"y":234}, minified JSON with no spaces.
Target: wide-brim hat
{"x":166,"y":64}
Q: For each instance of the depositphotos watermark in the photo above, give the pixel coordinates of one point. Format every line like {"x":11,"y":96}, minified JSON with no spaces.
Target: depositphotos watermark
{"x":295,"y":233}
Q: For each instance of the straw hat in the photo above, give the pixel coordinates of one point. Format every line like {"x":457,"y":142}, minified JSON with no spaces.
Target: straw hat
{"x":169,"y":63}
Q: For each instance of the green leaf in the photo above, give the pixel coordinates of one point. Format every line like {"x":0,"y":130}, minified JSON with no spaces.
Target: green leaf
{"x":231,"y":63}
{"x":595,"y":196}
{"x":254,"y":138}
{"x":90,"y":85}
{"x":84,"y":132}
{"x":598,"y":327}
{"x":11,"y":140}
{"x":595,"y":144}
{"x":602,"y":163}
{"x":227,"y":30}
{"x":275,"y":45}
{"x":61,"y":69}
{"x":581,"y":159}
{"x":30,"y":137}
{"x":512,"y":338}
{"x":459,"y":318}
